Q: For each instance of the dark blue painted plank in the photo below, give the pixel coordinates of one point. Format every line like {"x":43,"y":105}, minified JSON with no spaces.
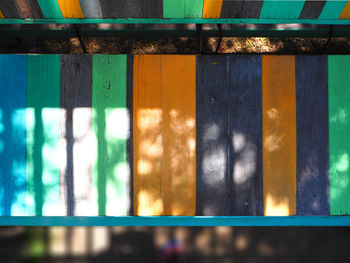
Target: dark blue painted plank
{"x":312,"y":135}
{"x":245,"y":127}
{"x":312,"y":9}
{"x":212,"y":136}
{"x":241,"y":9}
{"x":129,"y":143}
{"x":12,"y":134}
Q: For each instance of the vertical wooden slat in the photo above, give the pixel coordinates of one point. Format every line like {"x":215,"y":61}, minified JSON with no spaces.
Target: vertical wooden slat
{"x":281,"y":9}
{"x":332,"y":9}
{"x":29,"y":8}
{"x":43,"y":134}
{"x":193,"y":8}
{"x":50,"y":8}
{"x":174,"y":8}
{"x":1,"y":15}
{"x":164,"y":115}
{"x":70,"y":8}
{"x":12,"y":134}
{"x":312,"y":135}
{"x":241,"y":9}
{"x":339,"y":125}
{"x":312,"y":9}
{"x":91,"y":8}
{"x":212,"y":98}
{"x":345,"y":14}
{"x":212,"y":8}
{"x":279,"y":135}
{"x":10,"y":9}
{"x":245,"y":136}
{"x":77,"y":136}
{"x":111,"y":126}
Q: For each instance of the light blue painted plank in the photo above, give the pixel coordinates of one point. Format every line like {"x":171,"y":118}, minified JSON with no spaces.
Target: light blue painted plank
{"x":281,"y":9}
{"x":12,"y":134}
{"x":332,"y":9}
{"x":50,"y":8}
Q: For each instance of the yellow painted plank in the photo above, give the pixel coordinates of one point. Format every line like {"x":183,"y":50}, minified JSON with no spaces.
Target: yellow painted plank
{"x":279,"y":135}
{"x":1,"y":15}
{"x":164,"y":135}
{"x":345,"y":14}
{"x":212,"y":8}
{"x":70,"y":8}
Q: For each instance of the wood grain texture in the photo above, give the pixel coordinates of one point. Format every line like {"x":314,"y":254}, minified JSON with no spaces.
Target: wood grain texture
{"x":312,"y":135}
{"x":312,"y":9}
{"x":245,"y":136}
{"x":77,"y":136}
{"x":29,"y":8}
{"x":241,"y":9}
{"x":281,"y":9}
{"x":345,"y":14}
{"x":132,"y":9}
{"x":339,"y":125}
{"x":91,"y":8}
{"x":110,"y":122}
{"x":70,"y":8}
{"x":279,"y":135}
{"x":212,"y":8}
{"x":10,"y":9}
{"x":332,"y":9}
{"x":164,"y":115}
{"x":50,"y":8}
{"x":42,"y":136}
{"x":213,"y":182}
{"x":13,"y":70}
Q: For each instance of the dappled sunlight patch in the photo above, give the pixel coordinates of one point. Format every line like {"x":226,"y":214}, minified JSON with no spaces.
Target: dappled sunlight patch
{"x":276,"y":205}
{"x":149,"y":205}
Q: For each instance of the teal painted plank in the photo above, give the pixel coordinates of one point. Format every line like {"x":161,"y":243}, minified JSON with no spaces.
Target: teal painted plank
{"x":178,"y":221}
{"x":193,"y":8}
{"x":281,"y":9}
{"x":110,"y":121}
{"x":339,"y":141}
{"x":50,"y":8}
{"x":43,"y":135}
{"x":12,"y":134}
{"x":174,"y":8}
{"x":332,"y":9}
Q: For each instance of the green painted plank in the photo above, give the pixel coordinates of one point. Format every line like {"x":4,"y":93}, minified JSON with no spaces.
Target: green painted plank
{"x":174,"y":8}
{"x":339,"y":141}
{"x":281,"y":9}
{"x":332,"y":9}
{"x":50,"y":8}
{"x":110,"y":121}
{"x":43,"y":135}
{"x":193,"y":8}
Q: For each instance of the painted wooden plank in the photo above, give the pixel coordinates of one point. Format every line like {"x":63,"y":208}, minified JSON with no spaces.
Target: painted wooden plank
{"x":339,"y":125}
{"x":281,"y":9}
{"x":213,"y":188}
{"x":10,"y":9}
{"x":245,"y":136}
{"x":345,"y":14}
{"x":111,"y":126}
{"x":241,"y":9}
{"x":332,"y":9}
{"x":1,"y":15}
{"x":70,"y":8}
{"x":174,"y":8}
{"x":164,"y":134}
{"x":212,"y":8}
{"x":193,"y":8}
{"x":279,"y":135}
{"x":29,"y":8}
{"x":312,"y":135}
{"x":77,"y":135}
{"x":312,"y":9}
{"x":91,"y":8}
{"x":12,"y":134}
{"x":50,"y":8}
{"x":43,"y":135}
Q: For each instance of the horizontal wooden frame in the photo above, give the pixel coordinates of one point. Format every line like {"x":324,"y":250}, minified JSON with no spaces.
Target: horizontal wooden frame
{"x":178,"y":221}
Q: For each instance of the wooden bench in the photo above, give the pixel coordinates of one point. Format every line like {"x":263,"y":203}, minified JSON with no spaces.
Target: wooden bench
{"x":174,"y":140}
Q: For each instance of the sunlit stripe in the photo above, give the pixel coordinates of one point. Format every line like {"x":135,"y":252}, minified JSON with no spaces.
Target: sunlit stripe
{"x":70,"y":8}
{"x":50,"y":8}
{"x":164,"y":113}
{"x":212,"y":8}
{"x":345,"y":14}
{"x":279,"y":135}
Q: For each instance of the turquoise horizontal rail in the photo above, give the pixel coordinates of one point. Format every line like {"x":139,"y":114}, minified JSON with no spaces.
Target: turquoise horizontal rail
{"x":176,"y":21}
{"x":178,"y":221}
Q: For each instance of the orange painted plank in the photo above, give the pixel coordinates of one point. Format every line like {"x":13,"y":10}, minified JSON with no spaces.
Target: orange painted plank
{"x":345,"y":14}
{"x":164,"y":134}
{"x":212,"y":8}
{"x":279,"y":135}
{"x":1,"y":15}
{"x":70,"y":8}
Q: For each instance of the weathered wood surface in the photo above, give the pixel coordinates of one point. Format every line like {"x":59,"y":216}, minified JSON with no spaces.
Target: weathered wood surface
{"x":241,"y":9}
{"x":312,"y":9}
